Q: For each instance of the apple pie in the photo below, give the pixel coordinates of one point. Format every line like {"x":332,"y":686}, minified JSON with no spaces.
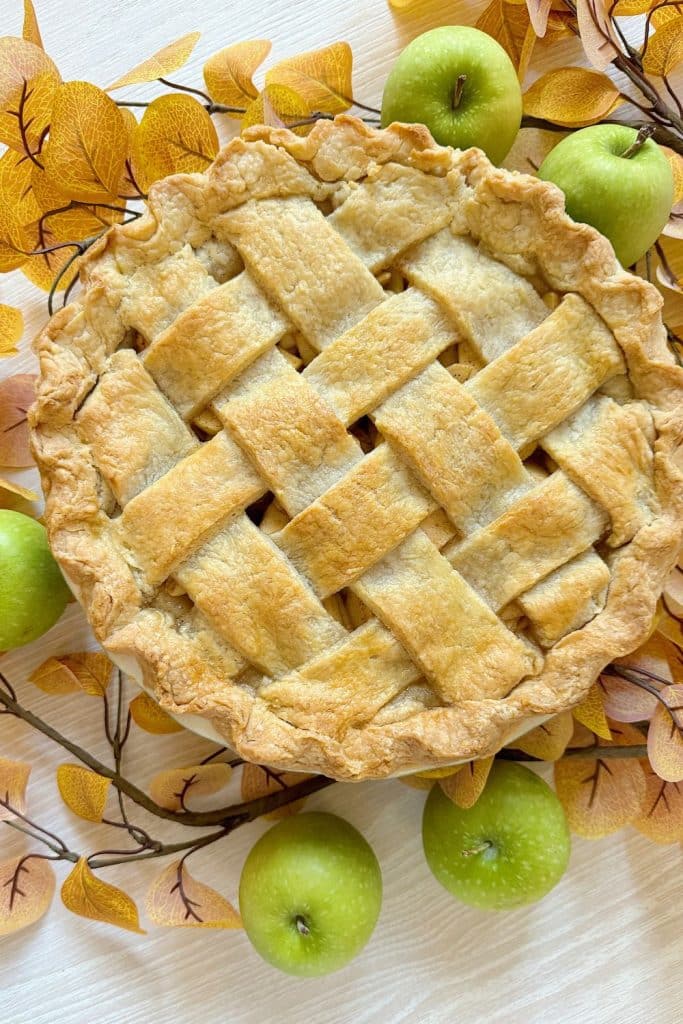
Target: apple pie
{"x":360,"y":449}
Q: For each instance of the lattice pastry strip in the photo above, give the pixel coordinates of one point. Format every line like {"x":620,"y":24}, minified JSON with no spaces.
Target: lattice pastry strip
{"x":255,"y":632}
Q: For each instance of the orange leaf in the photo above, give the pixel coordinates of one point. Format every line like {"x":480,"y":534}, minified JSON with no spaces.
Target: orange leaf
{"x":172,"y":788}
{"x":277,"y":105}
{"x":665,"y":735}
{"x":665,"y":14}
{"x":257,"y":782}
{"x":13,"y":780}
{"x":11,"y":329}
{"x":28,"y":82}
{"x":597,"y":32}
{"x":509,"y":25}
{"x":9,"y":487}
{"x":465,"y":788}
{"x":669,"y":625}
{"x":31,"y":30}
{"x":321,"y":77}
{"x":665,"y":48}
{"x":572,"y":96}
{"x":161,"y":64}
{"x":15,"y":204}
{"x":438,"y":773}
{"x":67,"y":226}
{"x":16,"y":395}
{"x":89,"y":671}
{"x":16,"y":187}
{"x":591,"y":713}
{"x":228,"y":74}
{"x":83,"y":791}
{"x":85,"y":894}
{"x":662,"y":819}
{"x":27,"y":885}
{"x":627,"y":8}
{"x":147,"y":714}
{"x":88,"y":143}
{"x":549,"y":740}
{"x":538,"y":15}
{"x":415,"y":781}
{"x":175,"y":135}
{"x":600,"y":795}
{"x":176,"y":900}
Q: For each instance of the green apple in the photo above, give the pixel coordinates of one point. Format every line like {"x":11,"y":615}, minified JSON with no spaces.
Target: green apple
{"x":507,"y":850}
{"x":310,"y":894}
{"x":624,"y":189}
{"x":33,"y":593}
{"x":460,"y":83}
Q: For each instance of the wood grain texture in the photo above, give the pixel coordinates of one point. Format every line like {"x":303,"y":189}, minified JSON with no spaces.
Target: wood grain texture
{"x":605,"y":947}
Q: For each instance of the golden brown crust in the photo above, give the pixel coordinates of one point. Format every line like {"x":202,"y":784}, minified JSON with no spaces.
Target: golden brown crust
{"x":519,"y":219}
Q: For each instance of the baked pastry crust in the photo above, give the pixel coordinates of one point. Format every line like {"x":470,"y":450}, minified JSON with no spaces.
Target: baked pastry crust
{"x":399,"y":606}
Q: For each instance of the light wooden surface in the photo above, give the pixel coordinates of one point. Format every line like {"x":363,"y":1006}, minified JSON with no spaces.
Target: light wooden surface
{"x":605,"y":947}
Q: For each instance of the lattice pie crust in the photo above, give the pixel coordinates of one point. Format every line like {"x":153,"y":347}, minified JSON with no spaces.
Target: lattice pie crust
{"x":361,"y":449}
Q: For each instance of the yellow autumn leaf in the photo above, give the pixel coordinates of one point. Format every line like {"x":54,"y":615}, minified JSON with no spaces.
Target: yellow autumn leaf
{"x":671,"y":627}
{"x":662,"y":817}
{"x":438,"y":773}
{"x":161,"y":64}
{"x":402,"y":5}
{"x":627,"y":8}
{"x":27,"y":885}
{"x":174,"y":787}
{"x":665,"y":48}
{"x":228,"y":74}
{"x":148,"y":716}
{"x":177,"y":900}
{"x":11,"y":329}
{"x":16,"y":187}
{"x":17,"y":394}
{"x":321,"y":77}
{"x":89,"y":671}
{"x":278,"y":106}
{"x":597,"y":32}
{"x":13,"y":781}
{"x":31,"y":29}
{"x":573,"y":97}
{"x":67,"y":226}
{"x":664,"y":14}
{"x":416,"y":782}
{"x":465,"y":788}
{"x":549,"y":740}
{"x":257,"y":781}
{"x":176,"y":134}
{"x":28,"y":82}
{"x":88,"y":143}
{"x":9,"y":487}
{"x":509,"y":24}
{"x":85,"y":894}
{"x":591,"y":713}
{"x":601,"y":794}
{"x":83,"y":791}
{"x":665,"y":735}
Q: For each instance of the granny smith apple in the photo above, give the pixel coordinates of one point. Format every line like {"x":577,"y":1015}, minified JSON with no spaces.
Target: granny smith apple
{"x":310,"y":894}
{"x":507,"y":850}
{"x":33,"y":593}
{"x":460,"y":83}
{"x":622,"y":187}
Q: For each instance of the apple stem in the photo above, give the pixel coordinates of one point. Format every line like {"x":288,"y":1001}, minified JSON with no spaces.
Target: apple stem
{"x":301,"y":925}
{"x":457,"y":92}
{"x":486,"y":845}
{"x":644,"y":133}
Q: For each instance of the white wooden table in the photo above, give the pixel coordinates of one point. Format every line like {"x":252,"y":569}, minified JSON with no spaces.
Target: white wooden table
{"x":605,"y":947}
